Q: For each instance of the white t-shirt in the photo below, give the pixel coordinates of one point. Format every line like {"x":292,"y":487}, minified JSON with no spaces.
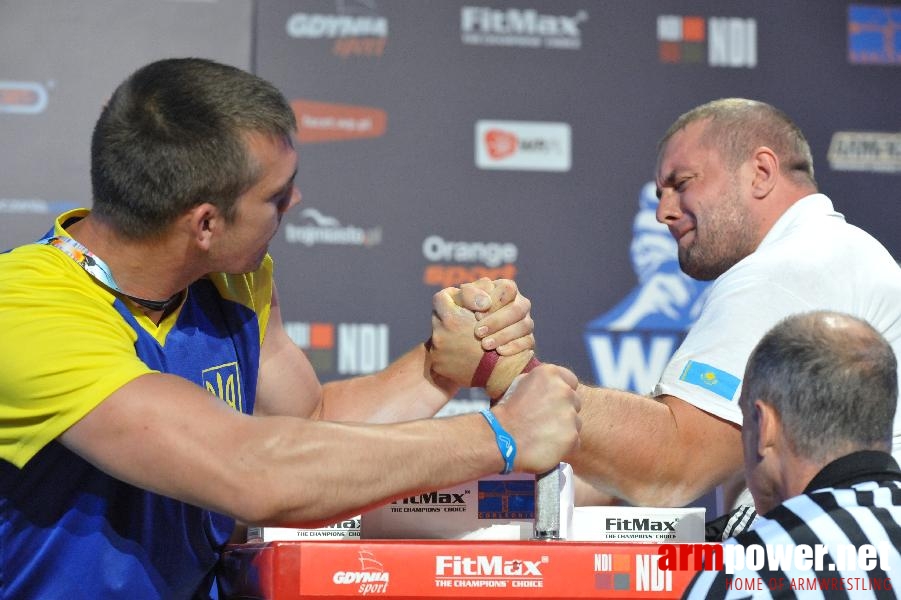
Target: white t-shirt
{"x":811,"y":259}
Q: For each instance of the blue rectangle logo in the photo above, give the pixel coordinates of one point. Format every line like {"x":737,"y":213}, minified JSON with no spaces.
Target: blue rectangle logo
{"x":874,"y":34}
{"x":710,"y":378}
{"x":506,"y":499}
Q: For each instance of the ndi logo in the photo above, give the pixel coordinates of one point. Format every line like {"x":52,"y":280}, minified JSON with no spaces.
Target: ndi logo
{"x":731,"y":41}
{"x":345,"y":348}
{"x":612,"y":571}
{"x":649,"y":576}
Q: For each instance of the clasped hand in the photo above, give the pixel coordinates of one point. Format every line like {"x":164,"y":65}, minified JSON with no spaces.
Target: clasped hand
{"x":479,"y":317}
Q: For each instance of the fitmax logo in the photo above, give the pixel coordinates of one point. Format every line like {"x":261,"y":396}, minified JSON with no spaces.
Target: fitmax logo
{"x":616,"y":524}
{"x":486,"y":566}
{"x":484,"y":26}
{"x":434,"y":498}
{"x":346,"y":524}
{"x":520,"y":22}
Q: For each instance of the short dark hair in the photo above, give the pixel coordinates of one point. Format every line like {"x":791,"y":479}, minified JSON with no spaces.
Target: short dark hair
{"x":832,"y":378}
{"x":173,"y":135}
{"x":737,"y":126}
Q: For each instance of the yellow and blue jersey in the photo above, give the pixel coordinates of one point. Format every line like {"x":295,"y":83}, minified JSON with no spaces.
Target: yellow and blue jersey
{"x":67,"y":344}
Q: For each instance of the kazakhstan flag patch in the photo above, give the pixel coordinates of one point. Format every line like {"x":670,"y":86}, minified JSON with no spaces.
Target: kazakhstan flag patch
{"x":717,"y":381}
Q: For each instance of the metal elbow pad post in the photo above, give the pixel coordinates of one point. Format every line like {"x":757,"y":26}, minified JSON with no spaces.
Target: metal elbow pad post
{"x":547,"y":505}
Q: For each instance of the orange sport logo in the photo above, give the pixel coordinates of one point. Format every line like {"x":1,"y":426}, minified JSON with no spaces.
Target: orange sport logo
{"x":443,"y":276}
{"x":456,"y":262}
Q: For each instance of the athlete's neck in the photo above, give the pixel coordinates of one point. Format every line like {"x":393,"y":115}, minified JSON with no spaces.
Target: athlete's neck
{"x":143,"y":271}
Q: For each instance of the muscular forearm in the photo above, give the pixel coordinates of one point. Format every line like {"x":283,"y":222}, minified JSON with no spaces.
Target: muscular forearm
{"x":317,"y":472}
{"x":652,"y":452}
{"x":403,"y":391}
{"x":169,"y":436}
{"x":164,"y":434}
{"x":355,"y":466}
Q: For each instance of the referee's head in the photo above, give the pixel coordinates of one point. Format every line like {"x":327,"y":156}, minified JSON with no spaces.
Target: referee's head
{"x":818,"y":386}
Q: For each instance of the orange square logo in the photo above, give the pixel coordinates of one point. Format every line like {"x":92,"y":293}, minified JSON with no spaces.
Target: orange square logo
{"x":322,"y":335}
{"x":693,"y":29}
{"x":622,"y":562}
{"x":670,"y":52}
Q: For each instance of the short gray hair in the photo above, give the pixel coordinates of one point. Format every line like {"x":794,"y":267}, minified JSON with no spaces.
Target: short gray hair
{"x":832,"y":378}
{"x":737,"y":126}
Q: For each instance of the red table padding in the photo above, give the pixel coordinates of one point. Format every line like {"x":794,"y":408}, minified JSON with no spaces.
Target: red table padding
{"x":446,"y":569}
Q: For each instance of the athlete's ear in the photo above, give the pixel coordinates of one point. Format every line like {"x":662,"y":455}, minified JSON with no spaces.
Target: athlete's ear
{"x":766,"y":169}
{"x":203,"y":222}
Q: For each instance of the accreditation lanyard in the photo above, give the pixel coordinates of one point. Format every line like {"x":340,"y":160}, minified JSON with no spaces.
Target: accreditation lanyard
{"x":96,"y":268}
{"x":84,"y":258}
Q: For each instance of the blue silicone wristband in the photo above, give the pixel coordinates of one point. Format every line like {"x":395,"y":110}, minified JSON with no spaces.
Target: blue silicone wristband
{"x":505,"y":441}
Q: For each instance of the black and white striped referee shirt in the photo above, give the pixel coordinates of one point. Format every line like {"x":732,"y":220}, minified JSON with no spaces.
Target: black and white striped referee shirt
{"x":853,"y":503}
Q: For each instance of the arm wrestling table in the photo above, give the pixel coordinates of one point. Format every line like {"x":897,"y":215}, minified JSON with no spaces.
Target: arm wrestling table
{"x":469,"y":569}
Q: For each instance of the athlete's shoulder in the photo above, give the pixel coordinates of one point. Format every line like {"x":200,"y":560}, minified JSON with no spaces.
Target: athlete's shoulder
{"x":34,"y":262}
{"x":37,"y":259}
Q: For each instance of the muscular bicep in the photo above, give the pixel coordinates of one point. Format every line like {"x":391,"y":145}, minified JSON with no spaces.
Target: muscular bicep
{"x":653,"y":451}
{"x":287,"y":384}
{"x":167,"y":435}
{"x":709,"y":449}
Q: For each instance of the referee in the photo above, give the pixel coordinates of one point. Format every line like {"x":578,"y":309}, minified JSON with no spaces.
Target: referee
{"x":817,"y":404}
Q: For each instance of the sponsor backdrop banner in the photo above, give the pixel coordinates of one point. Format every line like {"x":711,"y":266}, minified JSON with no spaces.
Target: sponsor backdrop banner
{"x":442,"y":141}
{"x":60,"y":61}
